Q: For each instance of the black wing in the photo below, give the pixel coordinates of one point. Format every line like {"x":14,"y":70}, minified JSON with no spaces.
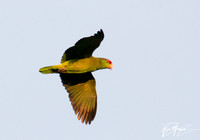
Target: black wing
{"x":82,"y":94}
{"x":84,"y":47}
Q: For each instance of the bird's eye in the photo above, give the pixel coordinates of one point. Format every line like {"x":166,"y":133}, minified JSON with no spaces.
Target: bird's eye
{"x":109,"y":61}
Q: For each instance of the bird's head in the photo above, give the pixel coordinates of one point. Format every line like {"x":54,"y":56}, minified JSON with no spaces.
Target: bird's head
{"x":109,"y":64}
{"x":105,"y":63}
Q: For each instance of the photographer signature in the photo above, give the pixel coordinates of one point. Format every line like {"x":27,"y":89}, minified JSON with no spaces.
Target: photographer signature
{"x":175,"y":129}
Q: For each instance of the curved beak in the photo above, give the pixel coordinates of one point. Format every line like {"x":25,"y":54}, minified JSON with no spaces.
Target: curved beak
{"x":110,"y":66}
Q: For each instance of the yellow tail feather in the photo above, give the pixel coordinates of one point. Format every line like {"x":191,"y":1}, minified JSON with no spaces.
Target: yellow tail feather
{"x":47,"y":70}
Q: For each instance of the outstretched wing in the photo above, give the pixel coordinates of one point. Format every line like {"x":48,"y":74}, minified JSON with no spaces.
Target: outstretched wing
{"x":84,"y":47}
{"x":82,"y":94}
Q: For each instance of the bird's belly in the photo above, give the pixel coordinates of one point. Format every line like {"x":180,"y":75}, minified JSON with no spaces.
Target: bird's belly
{"x":77,"y":67}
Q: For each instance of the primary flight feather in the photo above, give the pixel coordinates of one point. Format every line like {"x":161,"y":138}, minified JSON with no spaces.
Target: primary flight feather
{"x":75,"y":69}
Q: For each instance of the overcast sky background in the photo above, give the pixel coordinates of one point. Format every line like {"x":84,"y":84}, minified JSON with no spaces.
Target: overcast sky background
{"x":155,"y":49}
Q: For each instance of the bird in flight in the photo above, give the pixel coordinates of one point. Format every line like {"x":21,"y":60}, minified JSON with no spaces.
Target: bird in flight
{"x":75,"y":69}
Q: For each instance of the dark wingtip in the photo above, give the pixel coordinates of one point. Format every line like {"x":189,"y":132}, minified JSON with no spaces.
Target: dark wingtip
{"x":100,"y":34}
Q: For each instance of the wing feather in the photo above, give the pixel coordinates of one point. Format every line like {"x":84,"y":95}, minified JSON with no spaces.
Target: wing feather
{"x":84,"y":47}
{"x":82,"y":94}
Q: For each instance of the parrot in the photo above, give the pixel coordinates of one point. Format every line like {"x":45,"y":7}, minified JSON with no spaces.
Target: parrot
{"x":75,"y":70}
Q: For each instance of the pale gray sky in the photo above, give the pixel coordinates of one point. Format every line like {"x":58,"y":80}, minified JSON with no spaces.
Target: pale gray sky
{"x":153,"y":44}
